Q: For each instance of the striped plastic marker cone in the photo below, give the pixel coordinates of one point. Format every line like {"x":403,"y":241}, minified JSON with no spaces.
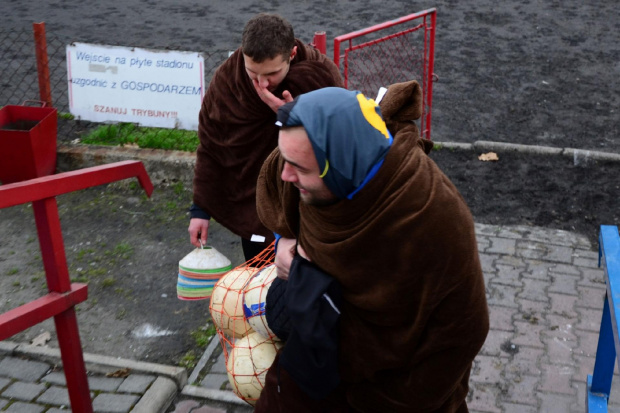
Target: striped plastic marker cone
{"x":199,"y":271}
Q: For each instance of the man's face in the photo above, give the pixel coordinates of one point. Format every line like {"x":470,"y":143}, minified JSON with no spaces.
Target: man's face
{"x":271,"y":72}
{"x":301,"y":168}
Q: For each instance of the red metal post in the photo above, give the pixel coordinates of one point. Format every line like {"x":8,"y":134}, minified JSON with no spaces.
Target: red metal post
{"x":45,"y":90}
{"x":320,"y":42}
{"x":57,"y":275}
{"x":426,"y":133}
{"x":51,"y":244}
{"x":73,"y":361}
{"x":337,"y":52}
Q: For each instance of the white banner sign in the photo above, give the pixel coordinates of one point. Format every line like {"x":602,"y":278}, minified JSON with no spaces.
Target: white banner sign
{"x":123,"y":84}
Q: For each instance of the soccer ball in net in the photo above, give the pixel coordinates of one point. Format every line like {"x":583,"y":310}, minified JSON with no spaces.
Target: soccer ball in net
{"x":247,"y":365}
{"x":254,"y":301}
{"x":226,"y":304}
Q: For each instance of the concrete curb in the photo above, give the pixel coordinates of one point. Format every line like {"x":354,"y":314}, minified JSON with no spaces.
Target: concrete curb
{"x":212,"y":394}
{"x":97,"y":363}
{"x":7,"y":347}
{"x":158,"y":397}
{"x":161,"y":165}
{"x":168,"y":166}
{"x":511,"y":147}
{"x":577,"y":155}
{"x":580,"y":155}
{"x":455,"y":145}
{"x":213,"y":344}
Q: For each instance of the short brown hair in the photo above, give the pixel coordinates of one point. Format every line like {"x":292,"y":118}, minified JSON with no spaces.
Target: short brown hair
{"x":267,"y":36}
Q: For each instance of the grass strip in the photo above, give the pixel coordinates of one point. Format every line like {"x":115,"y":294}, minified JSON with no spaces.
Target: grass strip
{"x":121,"y":134}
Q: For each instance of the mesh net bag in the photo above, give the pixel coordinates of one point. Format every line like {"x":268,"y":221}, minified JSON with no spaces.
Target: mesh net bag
{"x":247,"y":363}
{"x":237,"y":308}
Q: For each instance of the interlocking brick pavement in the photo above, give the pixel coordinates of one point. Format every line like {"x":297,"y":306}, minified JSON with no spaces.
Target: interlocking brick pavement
{"x":545,"y":294}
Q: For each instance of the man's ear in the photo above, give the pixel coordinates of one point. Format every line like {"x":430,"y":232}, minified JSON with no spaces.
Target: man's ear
{"x":293,"y":53}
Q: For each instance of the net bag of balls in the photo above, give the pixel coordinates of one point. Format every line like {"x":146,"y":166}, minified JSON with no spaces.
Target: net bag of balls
{"x":237,"y":309}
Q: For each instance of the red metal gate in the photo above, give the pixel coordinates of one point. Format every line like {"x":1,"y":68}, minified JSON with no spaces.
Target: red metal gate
{"x":391,"y":52}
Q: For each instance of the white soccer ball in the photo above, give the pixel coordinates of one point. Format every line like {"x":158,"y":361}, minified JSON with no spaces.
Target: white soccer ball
{"x":254,"y":301}
{"x":226,"y":304}
{"x":247,"y":365}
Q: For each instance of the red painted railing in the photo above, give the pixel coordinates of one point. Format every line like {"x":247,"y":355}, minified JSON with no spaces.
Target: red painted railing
{"x":62,"y":296}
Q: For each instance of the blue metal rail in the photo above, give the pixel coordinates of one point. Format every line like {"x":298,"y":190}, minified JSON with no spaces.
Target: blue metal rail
{"x":599,"y":383}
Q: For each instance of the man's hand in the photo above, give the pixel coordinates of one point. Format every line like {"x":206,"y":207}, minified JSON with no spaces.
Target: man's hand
{"x":198,"y":231}
{"x":285,"y":254}
{"x":270,"y":99}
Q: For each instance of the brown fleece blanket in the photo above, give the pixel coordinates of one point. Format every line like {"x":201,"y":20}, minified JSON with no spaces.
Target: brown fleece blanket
{"x":405,"y":253}
{"x":237,"y":132}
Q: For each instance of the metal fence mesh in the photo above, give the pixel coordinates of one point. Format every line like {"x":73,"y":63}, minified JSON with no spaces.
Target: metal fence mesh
{"x":18,"y":75}
{"x":390,"y":53}
{"x":19,"y":81}
{"x":383,"y":62}
{"x":378,"y":57}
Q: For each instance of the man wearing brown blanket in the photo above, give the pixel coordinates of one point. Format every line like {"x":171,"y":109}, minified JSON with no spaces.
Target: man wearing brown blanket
{"x":237,"y":124}
{"x":371,"y":209}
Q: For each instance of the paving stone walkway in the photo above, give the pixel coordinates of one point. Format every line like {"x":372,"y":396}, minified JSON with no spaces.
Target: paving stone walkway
{"x":30,"y":386}
{"x":545,"y":293}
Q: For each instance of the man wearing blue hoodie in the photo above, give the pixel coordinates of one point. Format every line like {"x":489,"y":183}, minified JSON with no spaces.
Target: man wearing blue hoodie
{"x":352,"y":190}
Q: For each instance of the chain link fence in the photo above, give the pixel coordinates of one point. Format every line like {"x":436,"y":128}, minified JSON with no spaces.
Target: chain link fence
{"x":19,"y":80}
{"x":18,"y":75}
{"x":395,"y":51}
{"x":391,"y":52}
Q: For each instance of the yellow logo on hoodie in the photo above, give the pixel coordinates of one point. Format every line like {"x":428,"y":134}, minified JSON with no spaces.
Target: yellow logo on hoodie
{"x":368,"y":107}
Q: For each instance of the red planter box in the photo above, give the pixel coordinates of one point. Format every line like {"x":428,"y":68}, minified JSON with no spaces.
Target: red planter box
{"x":27,"y":142}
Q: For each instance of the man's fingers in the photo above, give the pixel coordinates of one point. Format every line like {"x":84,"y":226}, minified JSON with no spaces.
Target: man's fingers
{"x":193,"y":236}
{"x":198,"y":231}
{"x":193,"y":239}
{"x":269,"y":98}
{"x":287,"y":96}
